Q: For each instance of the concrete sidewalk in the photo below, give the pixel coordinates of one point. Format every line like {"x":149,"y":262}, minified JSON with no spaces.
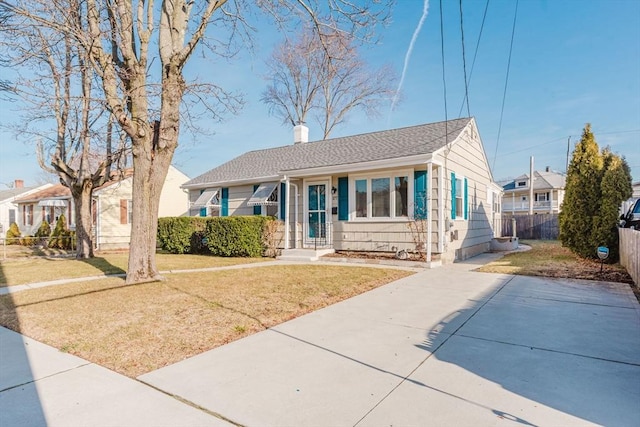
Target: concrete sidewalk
{"x":443,"y":347}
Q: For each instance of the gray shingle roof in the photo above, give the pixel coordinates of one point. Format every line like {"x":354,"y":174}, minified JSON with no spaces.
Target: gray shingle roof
{"x":14,"y":192}
{"x":383,"y":145}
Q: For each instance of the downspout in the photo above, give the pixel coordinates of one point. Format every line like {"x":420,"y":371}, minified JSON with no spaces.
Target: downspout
{"x":295,"y":216}
{"x":428,"y":207}
{"x":287,"y":184}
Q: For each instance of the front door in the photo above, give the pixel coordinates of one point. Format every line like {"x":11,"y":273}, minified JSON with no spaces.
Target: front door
{"x":317,"y":233}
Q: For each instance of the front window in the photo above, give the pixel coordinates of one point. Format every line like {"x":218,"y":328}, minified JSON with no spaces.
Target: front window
{"x":522,"y":183}
{"x":361,"y":198}
{"x":542,"y":197}
{"x":381,"y":197}
{"x":459,"y":198}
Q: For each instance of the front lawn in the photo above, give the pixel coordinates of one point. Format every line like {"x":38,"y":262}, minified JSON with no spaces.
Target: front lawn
{"x":550,"y":259}
{"x":30,"y":270}
{"x":139,"y":328}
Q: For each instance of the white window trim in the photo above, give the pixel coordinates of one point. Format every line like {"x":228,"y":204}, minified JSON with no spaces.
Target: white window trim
{"x":391,"y":175}
{"x":461,"y":217}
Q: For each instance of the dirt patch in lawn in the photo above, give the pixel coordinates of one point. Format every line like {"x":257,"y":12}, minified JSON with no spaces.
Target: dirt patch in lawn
{"x":139,"y":328}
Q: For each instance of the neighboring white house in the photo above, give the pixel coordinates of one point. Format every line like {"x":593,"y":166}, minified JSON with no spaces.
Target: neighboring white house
{"x":548,"y":193}
{"x":111,"y":208}
{"x":8,"y":207}
{"x":363,"y":192}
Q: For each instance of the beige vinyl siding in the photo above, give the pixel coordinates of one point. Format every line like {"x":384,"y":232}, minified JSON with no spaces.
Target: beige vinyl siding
{"x":113,"y":229}
{"x":472,"y":236}
{"x":173,"y":199}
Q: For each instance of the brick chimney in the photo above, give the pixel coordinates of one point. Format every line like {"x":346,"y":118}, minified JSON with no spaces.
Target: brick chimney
{"x":18,"y":183}
{"x":300,"y":134}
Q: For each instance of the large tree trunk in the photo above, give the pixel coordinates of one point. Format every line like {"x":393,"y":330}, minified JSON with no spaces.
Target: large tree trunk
{"x":152,"y":157}
{"x":82,"y":193}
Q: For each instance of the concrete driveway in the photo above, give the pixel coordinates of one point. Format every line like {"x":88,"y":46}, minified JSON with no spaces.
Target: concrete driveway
{"x":444,"y":347}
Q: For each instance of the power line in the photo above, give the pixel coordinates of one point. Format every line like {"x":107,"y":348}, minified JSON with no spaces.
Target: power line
{"x":475,"y":54}
{"x":464,"y":65}
{"x":506,"y":81}
{"x":444,"y":81}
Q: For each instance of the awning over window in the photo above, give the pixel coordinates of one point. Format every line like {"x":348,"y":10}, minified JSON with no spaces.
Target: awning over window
{"x":263,"y":195}
{"x":52,"y":202}
{"x":208,"y":197}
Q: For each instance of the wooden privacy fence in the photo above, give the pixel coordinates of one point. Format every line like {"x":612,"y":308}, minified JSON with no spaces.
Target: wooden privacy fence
{"x":630,"y":252}
{"x":537,"y":226}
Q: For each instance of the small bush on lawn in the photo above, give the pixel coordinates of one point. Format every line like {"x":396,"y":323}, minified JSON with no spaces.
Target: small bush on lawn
{"x":43,"y":232}
{"x":61,"y":238}
{"x":27,"y":241}
{"x":13,"y":234}
{"x":236,"y":235}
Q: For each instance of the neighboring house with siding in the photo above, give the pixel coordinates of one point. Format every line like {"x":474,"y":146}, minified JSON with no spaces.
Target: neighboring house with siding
{"x":111,"y":208}
{"x":548,"y":193}
{"x":8,"y":207}
{"x":362,"y":192}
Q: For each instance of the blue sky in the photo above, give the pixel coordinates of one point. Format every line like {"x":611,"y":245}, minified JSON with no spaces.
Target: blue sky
{"x":573,"y":62}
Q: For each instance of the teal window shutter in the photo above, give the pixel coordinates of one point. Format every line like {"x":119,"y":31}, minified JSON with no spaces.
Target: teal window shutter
{"x":224,"y":202}
{"x":257,"y":209}
{"x":343,"y":198}
{"x":466,"y":205}
{"x":420,"y":194}
{"x":283,"y":201}
{"x":203,"y":211}
{"x":453,"y":195}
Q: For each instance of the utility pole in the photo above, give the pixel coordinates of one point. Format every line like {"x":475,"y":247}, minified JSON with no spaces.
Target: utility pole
{"x":568,"y":142}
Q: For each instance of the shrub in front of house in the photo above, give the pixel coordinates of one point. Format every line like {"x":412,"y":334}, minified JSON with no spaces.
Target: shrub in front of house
{"x":241,"y":236}
{"x":13,"y":234}
{"x":60,"y":236}
{"x":237,"y":236}
{"x":182,"y":235}
{"x":43,"y":232}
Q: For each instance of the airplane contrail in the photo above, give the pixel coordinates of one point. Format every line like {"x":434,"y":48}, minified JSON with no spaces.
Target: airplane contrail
{"x":425,"y":11}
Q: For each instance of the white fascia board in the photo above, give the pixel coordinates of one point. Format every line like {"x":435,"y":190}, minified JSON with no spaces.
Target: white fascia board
{"x":360,"y":167}
{"x":233,"y":183}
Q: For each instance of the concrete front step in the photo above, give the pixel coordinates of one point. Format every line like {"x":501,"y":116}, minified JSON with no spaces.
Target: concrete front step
{"x":303,"y":254}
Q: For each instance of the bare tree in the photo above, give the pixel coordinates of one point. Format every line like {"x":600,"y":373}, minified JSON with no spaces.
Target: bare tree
{"x":118,"y":36}
{"x":59,"y":91}
{"x":324,"y":76}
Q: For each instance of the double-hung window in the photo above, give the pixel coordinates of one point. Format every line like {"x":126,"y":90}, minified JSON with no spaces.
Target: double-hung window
{"x":459,"y":208}
{"x":381,"y":196}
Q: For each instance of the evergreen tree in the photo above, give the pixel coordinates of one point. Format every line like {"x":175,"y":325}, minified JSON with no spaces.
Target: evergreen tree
{"x":581,"y":206}
{"x":597,"y":184}
{"x":615,"y":188}
{"x":13,"y":234}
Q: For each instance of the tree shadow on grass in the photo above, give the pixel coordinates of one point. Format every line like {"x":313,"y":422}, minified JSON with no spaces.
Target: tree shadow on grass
{"x":103,"y":265}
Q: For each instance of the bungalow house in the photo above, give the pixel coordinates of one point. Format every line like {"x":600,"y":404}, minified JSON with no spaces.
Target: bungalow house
{"x":111,"y":208}
{"x":548,"y":193}
{"x":8,"y":206}
{"x":365,"y":192}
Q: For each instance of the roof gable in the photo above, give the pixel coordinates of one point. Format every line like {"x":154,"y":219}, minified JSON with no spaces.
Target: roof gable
{"x":369,"y":147}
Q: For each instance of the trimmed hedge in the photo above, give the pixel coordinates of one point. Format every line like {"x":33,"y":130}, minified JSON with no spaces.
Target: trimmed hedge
{"x":182,"y":235}
{"x":232,"y":236}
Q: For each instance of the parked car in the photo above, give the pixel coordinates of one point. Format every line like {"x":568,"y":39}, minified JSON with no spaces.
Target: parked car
{"x":631,"y":219}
